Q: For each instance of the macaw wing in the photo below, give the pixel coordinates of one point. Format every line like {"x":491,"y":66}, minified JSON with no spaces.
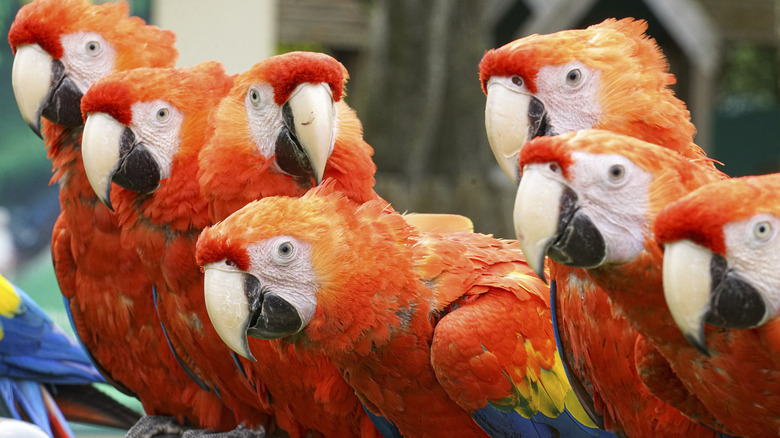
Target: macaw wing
{"x":33,"y":348}
{"x":494,"y":350}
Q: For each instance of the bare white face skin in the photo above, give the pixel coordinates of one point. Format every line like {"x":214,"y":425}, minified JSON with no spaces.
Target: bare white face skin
{"x":87,"y":57}
{"x":753,"y":251}
{"x":158,"y":124}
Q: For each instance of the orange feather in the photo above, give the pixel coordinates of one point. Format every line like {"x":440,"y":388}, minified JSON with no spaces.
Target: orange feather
{"x":634,"y":288}
{"x":307,"y":391}
{"x":739,"y":379}
{"x":110,"y":300}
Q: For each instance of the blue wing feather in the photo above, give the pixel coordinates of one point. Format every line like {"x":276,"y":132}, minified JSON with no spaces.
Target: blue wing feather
{"x":34,"y":352}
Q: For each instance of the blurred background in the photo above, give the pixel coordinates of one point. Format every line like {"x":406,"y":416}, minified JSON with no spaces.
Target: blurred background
{"x":414,"y":83}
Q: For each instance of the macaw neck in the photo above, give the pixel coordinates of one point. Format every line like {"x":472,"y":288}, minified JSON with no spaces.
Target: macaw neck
{"x":637,"y":289}
{"x":350,"y":163}
{"x":175,"y":208}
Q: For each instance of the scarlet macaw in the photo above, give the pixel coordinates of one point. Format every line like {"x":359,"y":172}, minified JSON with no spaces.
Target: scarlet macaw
{"x":601,"y":193}
{"x":155,"y":161}
{"x":721,"y":284}
{"x":61,"y":47}
{"x":143,"y":131}
{"x":610,"y":76}
{"x":394,"y":307}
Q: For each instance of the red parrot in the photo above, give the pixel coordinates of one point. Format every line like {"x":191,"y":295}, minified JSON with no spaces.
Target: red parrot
{"x":61,"y":47}
{"x":588,"y":200}
{"x":387,"y":303}
{"x":720,"y":269}
{"x":283,"y":128}
{"x":144,"y":130}
{"x":610,"y":76}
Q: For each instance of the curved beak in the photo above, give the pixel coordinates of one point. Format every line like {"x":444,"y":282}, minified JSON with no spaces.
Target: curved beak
{"x":43,"y":89}
{"x":100,"y":150}
{"x":239,"y":306}
{"x":511,"y":119}
{"x":228,"y":307}
{"x":548,"y":221}
{"x":687,"y":285}
{"x":700,"y":288}
{"x":31,"y":79}
{"x":310,"y":116}
{"x":111,"y":153}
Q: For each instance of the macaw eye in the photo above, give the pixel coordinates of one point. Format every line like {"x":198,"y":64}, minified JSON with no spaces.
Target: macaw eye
{"x":517,"y":80}
{"x":230,"y":263}
{"x":93,"y":48}
{"x":616,"y":173}
{"x":555,"y":168}
{"x":762,"y":230}
{"x":163,"y":114}
{"x":285,"y":251}
{"x":254,"y":96}
{"x":573,"y":77}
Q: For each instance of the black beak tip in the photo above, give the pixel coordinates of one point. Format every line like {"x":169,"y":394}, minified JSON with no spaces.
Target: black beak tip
{"x":542,"y":276}
{"x":699,"y":345}
{"x":106,"y":199}
{"x":36,"y":128}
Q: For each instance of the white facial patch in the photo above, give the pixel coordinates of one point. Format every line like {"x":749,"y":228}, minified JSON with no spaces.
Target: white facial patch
{"x":612,"y":192}
{"x":753,"y":251}
{"x":87,"y":57}
{"x":264,"y":117}
{"x":288,"y":275}
{"x":157,"y":124}
{"x":570,"y":95}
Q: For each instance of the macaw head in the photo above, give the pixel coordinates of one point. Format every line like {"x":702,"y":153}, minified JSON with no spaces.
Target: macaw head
{"x":587,"y":199}
{"x":721,"y":256}
{"x":62,"y":46}
{"x":280,"y":116}
{"x":284,"y":265}
{"x":610,"y":76}
{"x":140,"y":122}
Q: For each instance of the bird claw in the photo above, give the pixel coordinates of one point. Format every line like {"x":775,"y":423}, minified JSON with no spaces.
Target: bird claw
{"x":156,"y":426}
{"x":239,"y":432}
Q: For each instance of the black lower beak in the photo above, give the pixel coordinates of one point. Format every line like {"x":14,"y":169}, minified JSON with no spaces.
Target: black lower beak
{"x":579,"y":243}
{"x":734,"y":303}
{"x":290,"y":156}
{"x":64,"y":104}
{"x":272,"y":317}
{"x":539,"y":120}
{"x":138,"y":170}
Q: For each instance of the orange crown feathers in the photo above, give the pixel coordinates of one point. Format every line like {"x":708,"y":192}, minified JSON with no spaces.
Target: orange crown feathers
{"x":701,"y":215}
{"x":192,"y":87}
{"x":287,"y":71}
{"x":597,"y":46}
{"x":44,"y":21}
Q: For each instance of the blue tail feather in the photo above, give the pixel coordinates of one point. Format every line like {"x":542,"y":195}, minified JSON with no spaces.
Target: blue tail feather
{"x":383,"y":425}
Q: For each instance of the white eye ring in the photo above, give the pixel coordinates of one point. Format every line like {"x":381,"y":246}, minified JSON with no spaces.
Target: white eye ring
{"x":162,"y":114}
{"x":285,"y":252}
{"x":616,"y":173}
{"x":254,"y":96}
{"x":93,"y":48}
{"x":573,"y":77}
{"x":517,"y":80}
{"x":762,"y":230}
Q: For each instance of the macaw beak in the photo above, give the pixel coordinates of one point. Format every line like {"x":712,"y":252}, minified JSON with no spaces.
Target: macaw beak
{"x":239,"y":306}
{"x":310,"y":118}
{"x":110,"y":153}
{"x":548,"y":221}
{"x":43,"y":89}
{"x":700,"y":288}
{"x":511,"y":119}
